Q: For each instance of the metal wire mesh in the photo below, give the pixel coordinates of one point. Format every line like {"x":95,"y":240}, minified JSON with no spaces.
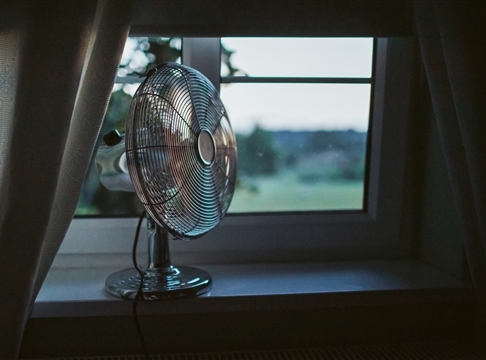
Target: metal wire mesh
{"x":181,"y":150}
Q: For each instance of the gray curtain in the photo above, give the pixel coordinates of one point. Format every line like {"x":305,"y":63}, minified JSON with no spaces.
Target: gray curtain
{"x":452,"y":39}
{"x":58,"y":62}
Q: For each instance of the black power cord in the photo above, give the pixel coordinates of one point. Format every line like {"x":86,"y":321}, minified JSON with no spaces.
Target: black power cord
{"x":139,"y":294}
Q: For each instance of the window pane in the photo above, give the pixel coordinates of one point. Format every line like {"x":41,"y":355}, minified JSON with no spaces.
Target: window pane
{"x":297,"y":57}
{"x":300,"y":146}
{"x":95,"y":199}
{"x":140,"y":54}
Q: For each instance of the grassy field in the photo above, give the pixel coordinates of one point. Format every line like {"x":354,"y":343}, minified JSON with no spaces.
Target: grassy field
{"x":285,"y":193}
{"x":282,"y":192}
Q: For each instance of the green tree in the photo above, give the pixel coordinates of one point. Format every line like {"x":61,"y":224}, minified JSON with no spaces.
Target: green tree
{"x":148,"y":52}
{"x":256,"y":153}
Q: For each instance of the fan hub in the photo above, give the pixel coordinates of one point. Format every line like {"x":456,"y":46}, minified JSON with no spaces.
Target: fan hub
{"x":206,"y":147}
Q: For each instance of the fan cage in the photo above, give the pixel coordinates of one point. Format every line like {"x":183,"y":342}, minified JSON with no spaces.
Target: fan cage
{"x":180,"y":189}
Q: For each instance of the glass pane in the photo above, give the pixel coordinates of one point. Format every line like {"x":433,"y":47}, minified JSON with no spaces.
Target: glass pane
{"x":95,"y":199}
{"x":143,"y":53}
{"x":297,"y":57}
{"x":300,"y":146}
{"x":139,"y":55}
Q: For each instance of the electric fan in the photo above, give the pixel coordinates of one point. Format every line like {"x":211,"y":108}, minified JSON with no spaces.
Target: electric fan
{"x":181,"y":157}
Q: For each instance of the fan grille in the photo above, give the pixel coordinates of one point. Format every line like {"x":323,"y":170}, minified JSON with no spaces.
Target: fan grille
{"x":174,"y":114}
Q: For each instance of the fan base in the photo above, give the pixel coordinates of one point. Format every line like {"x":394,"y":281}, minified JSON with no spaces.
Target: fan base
{"x":181,"y":281}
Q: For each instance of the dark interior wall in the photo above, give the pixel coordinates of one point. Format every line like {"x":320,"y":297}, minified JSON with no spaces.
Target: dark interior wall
{"x":219,"y":18}
{"x":437,"y":233}
{"x":320,"y":326}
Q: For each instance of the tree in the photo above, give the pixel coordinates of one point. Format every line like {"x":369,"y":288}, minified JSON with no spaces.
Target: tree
{"x":256,"y":153}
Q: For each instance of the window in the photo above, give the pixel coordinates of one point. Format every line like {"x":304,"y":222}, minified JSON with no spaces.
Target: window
{"x":368,"y":228}
{"x":300,"y":109}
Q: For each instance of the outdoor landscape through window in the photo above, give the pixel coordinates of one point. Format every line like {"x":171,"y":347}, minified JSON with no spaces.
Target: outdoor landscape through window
{"x":301,"y":136}
{"x":300,"y":110}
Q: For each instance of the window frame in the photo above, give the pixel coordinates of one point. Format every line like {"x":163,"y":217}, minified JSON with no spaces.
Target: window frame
{"x":374,"y":233}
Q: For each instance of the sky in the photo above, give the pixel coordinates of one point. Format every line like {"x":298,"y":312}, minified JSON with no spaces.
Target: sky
{"x":299,"y":106}
{"x":296,"y":106}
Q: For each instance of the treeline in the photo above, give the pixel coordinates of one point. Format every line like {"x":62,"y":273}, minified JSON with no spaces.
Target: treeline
{"x":312,"y":155}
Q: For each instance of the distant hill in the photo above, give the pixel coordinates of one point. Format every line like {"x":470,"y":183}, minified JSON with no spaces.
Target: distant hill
{"x":312,"y":155}
{"x":311,"y":141}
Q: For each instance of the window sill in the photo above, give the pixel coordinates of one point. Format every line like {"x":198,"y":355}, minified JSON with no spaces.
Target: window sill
{"x":259,"y":306}
{"x":259,"y":287}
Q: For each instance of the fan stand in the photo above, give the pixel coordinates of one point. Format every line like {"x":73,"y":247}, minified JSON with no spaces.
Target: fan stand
{"x":162,"y":280}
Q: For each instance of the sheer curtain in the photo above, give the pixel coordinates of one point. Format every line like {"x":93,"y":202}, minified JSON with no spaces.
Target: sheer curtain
{"x":58,"y":61}
{"x":452,"y":39}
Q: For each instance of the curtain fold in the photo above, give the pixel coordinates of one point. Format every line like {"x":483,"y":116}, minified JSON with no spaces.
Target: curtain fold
{"x":111,"y":27}
{"x":56,"y":74}
{"x":452,"y":39}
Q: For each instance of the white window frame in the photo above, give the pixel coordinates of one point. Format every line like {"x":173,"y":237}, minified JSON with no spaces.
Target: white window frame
{"x":374,"y":233}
